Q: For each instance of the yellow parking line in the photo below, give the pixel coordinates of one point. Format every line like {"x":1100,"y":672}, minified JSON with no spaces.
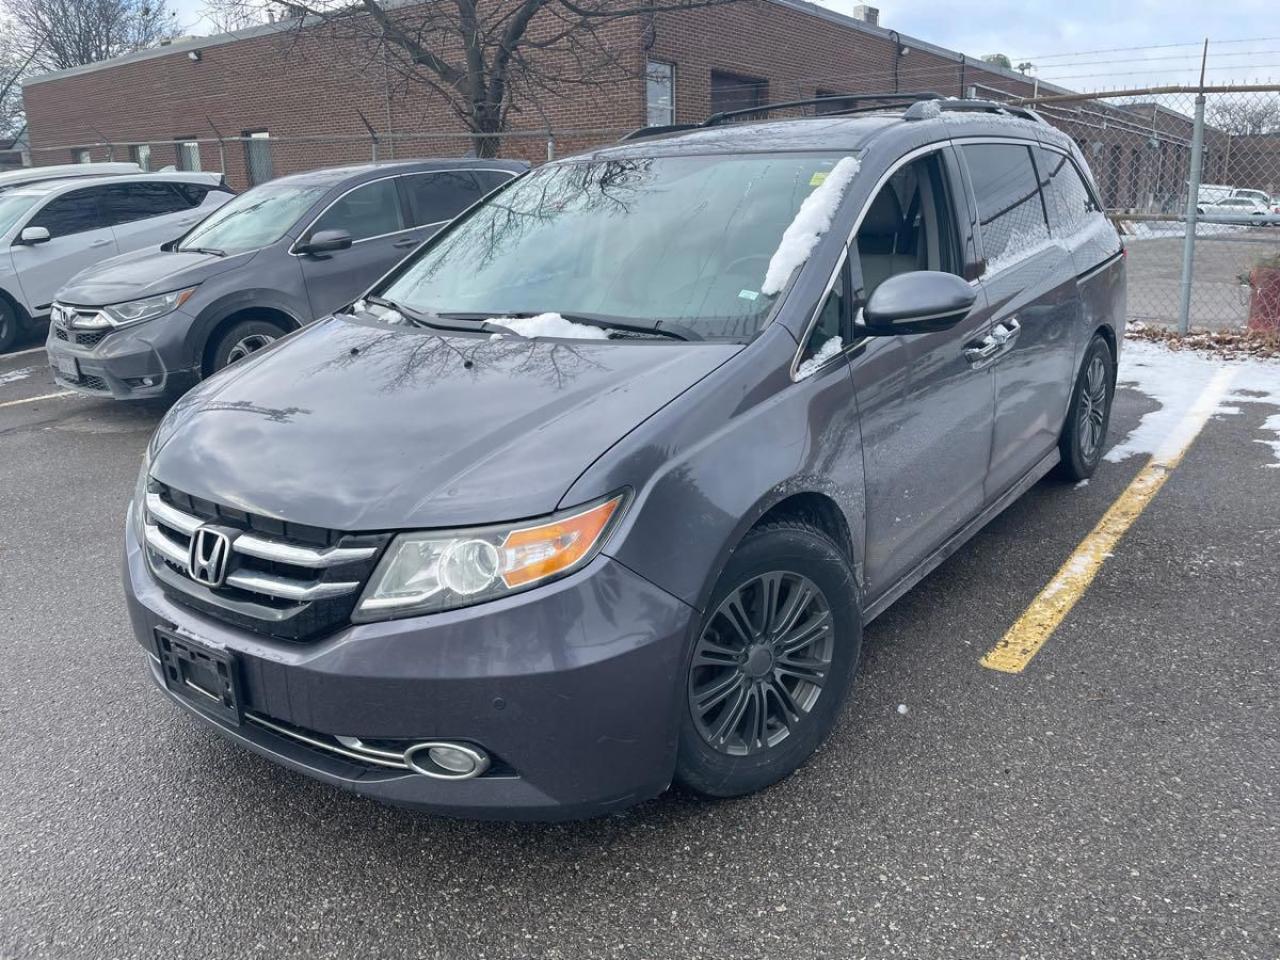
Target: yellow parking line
{"x":1037,"y":623}
{"x":44,"y":396}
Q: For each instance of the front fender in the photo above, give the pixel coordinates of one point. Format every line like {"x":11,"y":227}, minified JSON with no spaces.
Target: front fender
{"x":710,"y":464}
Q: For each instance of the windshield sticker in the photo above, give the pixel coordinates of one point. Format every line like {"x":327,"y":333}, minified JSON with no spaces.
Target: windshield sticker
{"x":818,"y":177}
{"x":748,"y":294}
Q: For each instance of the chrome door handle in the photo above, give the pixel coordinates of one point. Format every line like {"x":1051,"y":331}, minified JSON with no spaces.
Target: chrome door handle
{"x":407,"y":242}
{"x":99,"y":243}
{"x":984,"y":349}
{"x":1006,"y":331}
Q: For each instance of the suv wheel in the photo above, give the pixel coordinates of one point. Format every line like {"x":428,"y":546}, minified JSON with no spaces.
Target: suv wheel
{"x":772,"y":661}
{"x":246,"y":337}
{"x":8,"y":325}
{"x":1085,"y":432}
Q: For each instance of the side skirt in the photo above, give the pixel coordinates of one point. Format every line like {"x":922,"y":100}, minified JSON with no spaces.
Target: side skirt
{"x":962,"y":536}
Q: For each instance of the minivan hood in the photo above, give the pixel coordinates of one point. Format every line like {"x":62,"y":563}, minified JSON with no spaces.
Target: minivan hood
{"x":141,"y":273}
{"x":352,"y":426}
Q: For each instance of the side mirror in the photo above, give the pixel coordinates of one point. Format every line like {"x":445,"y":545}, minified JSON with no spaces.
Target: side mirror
{"x":33,"y":235}
{"x":326,"y":241}
{"x":923,"y":301}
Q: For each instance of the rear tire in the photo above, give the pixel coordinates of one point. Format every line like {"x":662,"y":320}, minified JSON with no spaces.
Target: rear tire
{"x":1084,"y":434}
{"x":772,"y":662}
{"x":243,"y":339}
{"x":8,"y":324}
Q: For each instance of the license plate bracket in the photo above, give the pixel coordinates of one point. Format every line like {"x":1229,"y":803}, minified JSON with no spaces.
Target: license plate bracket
{"x":205,"y":677}
{"x":69,"y":367}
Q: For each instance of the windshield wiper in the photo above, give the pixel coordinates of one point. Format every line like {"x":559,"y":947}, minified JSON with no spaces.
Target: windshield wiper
{"x":660,"y":328}
{"x":417,"y":318}
{"x":212,"y":251}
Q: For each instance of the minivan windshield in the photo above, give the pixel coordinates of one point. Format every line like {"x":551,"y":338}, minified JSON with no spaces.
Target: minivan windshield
{"x":255,"y":218}
{"x":13,"y":205}
{"x":681,"y":239}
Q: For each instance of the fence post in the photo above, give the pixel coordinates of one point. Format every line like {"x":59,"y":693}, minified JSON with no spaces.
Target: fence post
{"x":551,"y":146}
{"x":1193,"y":198}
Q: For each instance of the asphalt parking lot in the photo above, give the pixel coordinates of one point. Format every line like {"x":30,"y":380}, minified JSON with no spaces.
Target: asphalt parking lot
{"x":1119,"y":798}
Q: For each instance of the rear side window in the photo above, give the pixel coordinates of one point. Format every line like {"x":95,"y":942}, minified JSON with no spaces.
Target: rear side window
{"x":1065,"y":191}
{"x":490,"y":180}
{"x":370,"y":210}
{"x":73,"y":212}
{"x":192,"y":193}
{"x":436,"y":197}
{"x":127,"y":202}
{"x":1010,"y":210}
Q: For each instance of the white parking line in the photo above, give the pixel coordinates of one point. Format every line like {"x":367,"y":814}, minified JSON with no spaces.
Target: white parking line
{"x":44,"y":396}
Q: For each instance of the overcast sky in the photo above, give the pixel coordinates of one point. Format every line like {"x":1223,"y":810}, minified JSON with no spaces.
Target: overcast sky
{"x":1060,"y":37}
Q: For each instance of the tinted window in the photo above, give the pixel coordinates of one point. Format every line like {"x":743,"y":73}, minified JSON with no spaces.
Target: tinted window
{"x":71,"y":213}
{"x":367,"y":211}
{"x":1065,"y":191}
{"x":909,"y":226}
{"x":1010,"y":210}
{"x":830,"y":322}
{"x":491,"y":179}
{"x":127,"y":202}
{"x":730,"y":91}
{"x":192,"y":193}
{"x":434,"y":197}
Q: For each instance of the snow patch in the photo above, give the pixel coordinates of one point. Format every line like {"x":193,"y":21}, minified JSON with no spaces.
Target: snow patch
{"x":825,"y":353}
{"x":13,"y":376}
{"x":1177,"y":380}
{"x":549,"y":325}
{"x":379,"y":312}
{"x":811,"y":221}
{"x":930,"y":109}
{"x":1023,"y":243}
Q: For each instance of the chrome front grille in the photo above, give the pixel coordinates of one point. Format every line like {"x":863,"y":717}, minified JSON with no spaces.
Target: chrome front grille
{"x":61,"y":319}
{"x":288,"y":581}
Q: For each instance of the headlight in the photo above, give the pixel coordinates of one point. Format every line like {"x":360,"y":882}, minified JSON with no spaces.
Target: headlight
{"x":428,"y":572}
{"x":137,"y":509}
{"x":135,"y":311}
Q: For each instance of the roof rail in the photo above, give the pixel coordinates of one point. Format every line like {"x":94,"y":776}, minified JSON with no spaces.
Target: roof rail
{"x":851,"y":103}
{"x":850,"y":99}
{"x":922,"y":110}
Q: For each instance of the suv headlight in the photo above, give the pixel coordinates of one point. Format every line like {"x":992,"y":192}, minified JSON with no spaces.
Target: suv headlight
{"x":134,"y":311}
{"x":433,"y":571}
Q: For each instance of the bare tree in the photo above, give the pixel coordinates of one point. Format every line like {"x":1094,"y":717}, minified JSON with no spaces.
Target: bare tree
{"x":16,"y":59}
{"x":226,"y":16}
{"x":485,"y":59}
{"x":70,"y":33}
{"x":1247,"y":116}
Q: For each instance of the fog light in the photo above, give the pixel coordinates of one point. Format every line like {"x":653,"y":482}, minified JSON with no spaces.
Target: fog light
{"x":446,"y":761}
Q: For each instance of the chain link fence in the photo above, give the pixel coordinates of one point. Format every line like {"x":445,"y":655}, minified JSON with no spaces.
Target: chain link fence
{"x":1190,"y":176}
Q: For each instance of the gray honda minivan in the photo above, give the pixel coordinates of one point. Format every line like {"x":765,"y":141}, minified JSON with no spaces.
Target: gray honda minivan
{"x":598,"y":489}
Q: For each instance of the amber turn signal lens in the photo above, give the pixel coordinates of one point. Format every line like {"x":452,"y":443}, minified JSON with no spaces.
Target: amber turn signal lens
{"x":535,"y":553}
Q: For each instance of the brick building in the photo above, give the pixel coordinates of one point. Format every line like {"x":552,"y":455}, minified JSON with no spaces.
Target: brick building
{"x":256,"y":103}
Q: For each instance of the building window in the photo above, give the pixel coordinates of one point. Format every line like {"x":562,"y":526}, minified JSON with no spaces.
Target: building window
{"x":659,"y":93}
{"x":188,"y":153}
{"x":81,"y":155}
{"x":140,"y":153}
{"x":730,"y":91}
{"x":257,"y":156}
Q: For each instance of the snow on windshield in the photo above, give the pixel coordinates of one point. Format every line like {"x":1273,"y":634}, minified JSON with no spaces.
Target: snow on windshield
{"x":812,"y":220}
{"x":549,"y":325}
{"x":1178,"y":380}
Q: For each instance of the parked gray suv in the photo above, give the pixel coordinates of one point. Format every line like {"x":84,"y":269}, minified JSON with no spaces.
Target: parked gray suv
{"x":598,"y":490}
{"x":153,"y":322}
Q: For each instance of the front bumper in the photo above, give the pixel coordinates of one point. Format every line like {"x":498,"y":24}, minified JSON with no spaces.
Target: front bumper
{"x":135,"y":363}
{"x":573,"y":687}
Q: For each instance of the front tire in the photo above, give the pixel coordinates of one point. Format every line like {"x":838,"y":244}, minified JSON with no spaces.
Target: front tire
{"x":241,"y":340}
{"x":1084,"y":434}
{"x":772,"y":661}
{"x":8,"y":324}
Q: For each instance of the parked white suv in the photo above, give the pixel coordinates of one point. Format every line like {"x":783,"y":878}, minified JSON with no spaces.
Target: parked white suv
{"x":51,"y":231}
{"x":63,"y":171}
